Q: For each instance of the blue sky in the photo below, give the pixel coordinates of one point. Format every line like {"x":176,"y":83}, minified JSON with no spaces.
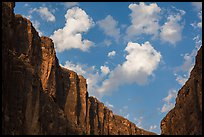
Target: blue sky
{"x":135,"y":56}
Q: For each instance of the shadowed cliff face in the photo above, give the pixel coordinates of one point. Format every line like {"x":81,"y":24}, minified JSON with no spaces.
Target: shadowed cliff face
{"x":41,"y":97}
{"x":186,"y":117}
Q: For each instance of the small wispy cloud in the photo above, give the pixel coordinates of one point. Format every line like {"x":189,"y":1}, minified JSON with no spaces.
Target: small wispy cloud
{"x":105,"y":70}
{"x":198,"y":8}
{"x":169,"y":101}
{"x":107,"y":42}
{"x":112,"y":53}
{"x":70,"y":4}
{"x":188,"y":63}
{"x":138,"y":121}
{"x":127,"y":116}
{"x":109,"y":105}
{"x":152,"y":127}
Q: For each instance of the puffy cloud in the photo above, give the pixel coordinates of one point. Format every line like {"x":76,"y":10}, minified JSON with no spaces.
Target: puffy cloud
{"x":105,"y":70}
{"x":70,"y":4}
{"x":140,"y":63}
{"x":171,"y":31}
{"x":168,"y":105}
{"x":144,"y":19}
{"x":111,"y":54}
{"x":44,"y":13}
{"x":152,"y":127}
{"x":109,"y":26}
{"x":70,"y":36}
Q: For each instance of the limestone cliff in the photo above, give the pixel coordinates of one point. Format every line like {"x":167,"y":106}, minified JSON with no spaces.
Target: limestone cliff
{"x":41,"y":97}
{"x":186,"y":117}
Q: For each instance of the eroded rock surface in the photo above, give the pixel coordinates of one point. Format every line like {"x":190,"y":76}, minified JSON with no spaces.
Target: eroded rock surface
{"x":41,"y":97}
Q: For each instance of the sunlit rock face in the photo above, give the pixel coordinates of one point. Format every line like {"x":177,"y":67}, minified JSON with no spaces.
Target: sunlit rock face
{"x":186,"y":117}
{"x":41,"y":97}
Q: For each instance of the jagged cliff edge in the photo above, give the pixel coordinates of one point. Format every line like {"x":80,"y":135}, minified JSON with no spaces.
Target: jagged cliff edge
{"x":41,"y":97}
{"x":186,"y":117}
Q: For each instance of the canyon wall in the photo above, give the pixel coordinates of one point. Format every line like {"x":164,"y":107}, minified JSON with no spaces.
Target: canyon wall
{"x":41,"y":97}
{"x":186,"y":117}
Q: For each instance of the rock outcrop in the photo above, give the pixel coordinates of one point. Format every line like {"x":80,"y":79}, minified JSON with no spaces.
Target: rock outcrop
{"x":41,"y":97}
{"x":186,"y":117}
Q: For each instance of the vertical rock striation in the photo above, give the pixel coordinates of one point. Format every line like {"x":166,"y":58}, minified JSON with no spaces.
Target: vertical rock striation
{"x":186,"y":117}
{"x":41,"y":97}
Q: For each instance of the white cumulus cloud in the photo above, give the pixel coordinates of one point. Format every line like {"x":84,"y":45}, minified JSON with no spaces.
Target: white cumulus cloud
{"x":70,"y":36}
{"x":171,"y":31}
{"x":44,"y":13}
{"x":110,"y":27}
{"x":111,"y":54}
{"x":144,"y":19}
{"x":140,"y":63}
